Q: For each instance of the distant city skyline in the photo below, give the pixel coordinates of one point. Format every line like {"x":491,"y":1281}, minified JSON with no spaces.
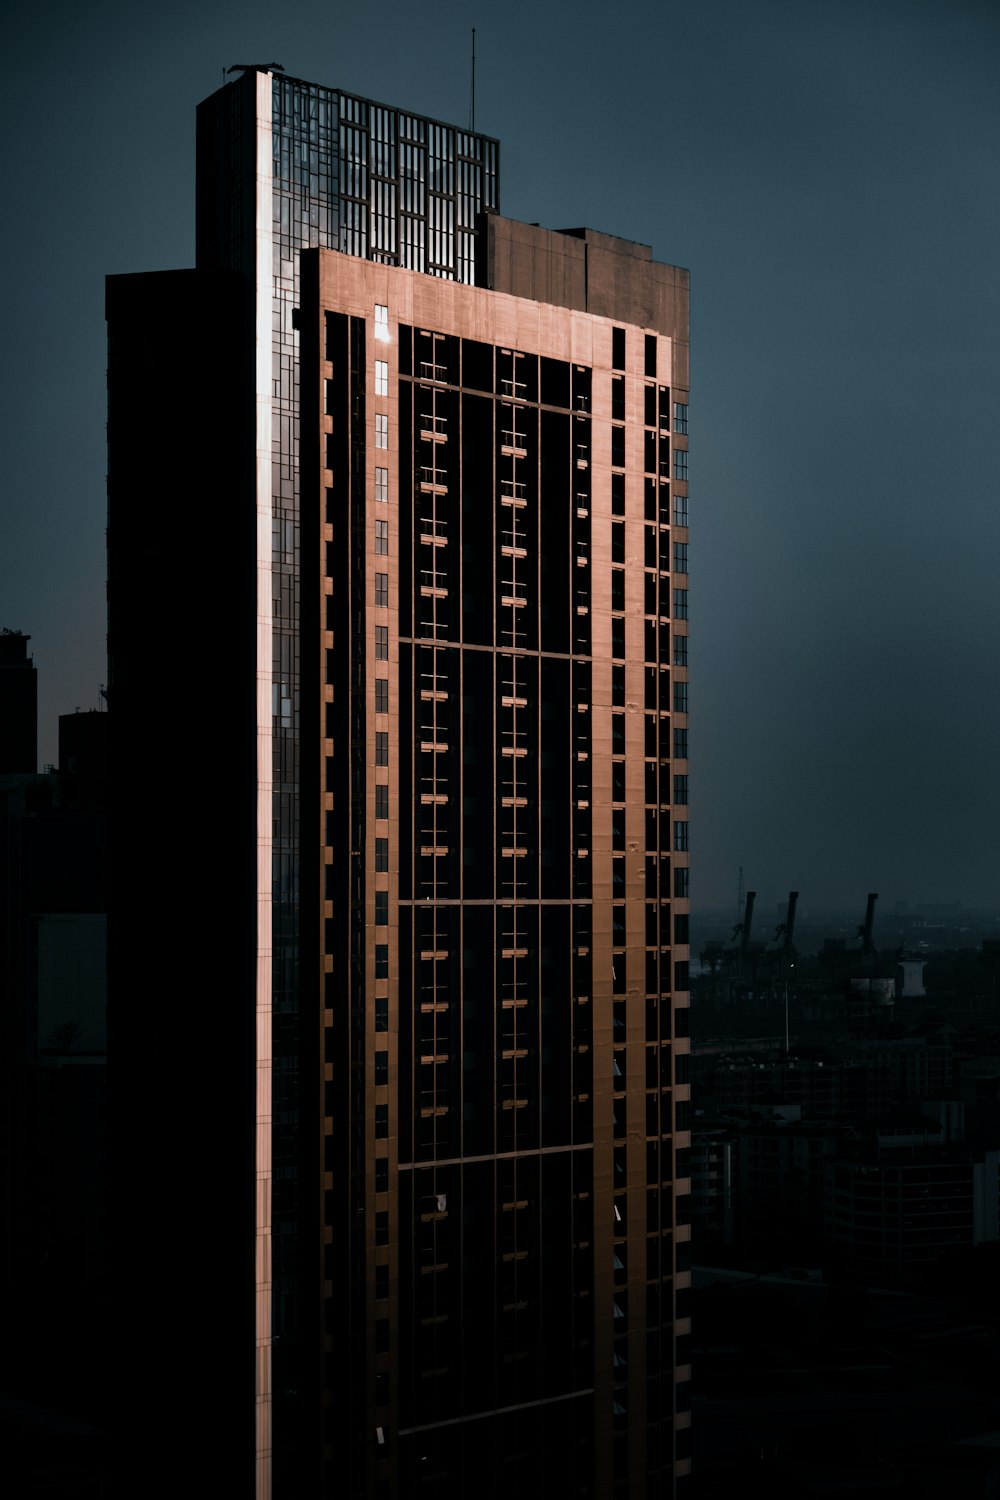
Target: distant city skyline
{"x":823,"y":171}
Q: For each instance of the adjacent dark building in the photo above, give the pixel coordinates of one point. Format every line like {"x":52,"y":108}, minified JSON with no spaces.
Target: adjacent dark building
{"x":423,"y":712}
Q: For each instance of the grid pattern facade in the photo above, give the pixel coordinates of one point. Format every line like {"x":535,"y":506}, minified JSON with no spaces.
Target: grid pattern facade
{"x":501,"y":802}
{"x":377,"y":183}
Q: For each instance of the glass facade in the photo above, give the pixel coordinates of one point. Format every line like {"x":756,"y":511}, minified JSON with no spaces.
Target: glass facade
{"x":372,"y":181}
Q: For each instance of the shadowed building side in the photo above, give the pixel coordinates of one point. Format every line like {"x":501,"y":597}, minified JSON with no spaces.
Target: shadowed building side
{"x":181,"y":550}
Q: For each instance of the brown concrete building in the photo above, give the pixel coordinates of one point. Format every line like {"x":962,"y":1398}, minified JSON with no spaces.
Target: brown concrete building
{"x":459,"y":455}
{"x":497,"y":646}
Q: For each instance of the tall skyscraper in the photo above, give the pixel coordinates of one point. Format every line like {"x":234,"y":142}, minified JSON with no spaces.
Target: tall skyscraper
{"x":457,"y":468}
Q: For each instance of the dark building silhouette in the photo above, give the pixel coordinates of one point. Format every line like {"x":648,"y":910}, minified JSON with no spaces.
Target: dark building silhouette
{"x":53,"y":1168}
{"x":18,"y":705}
{"x":413,"y":707}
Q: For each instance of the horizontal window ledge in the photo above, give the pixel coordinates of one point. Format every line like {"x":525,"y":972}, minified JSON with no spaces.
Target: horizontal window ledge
{"x":428,"y":591}
{"x":513,"y":801}
{"x":510,"y":750}
{"x":507,"y":701}
{"x":508,"y":551}
{"x":429,"y":540}
{"x":433,"y":851}
{"x":514,"y":853}
{"x":507,"y":599}
{"x":435,"y":798}
{"x":517,"y":501}
{"x":433,"y":746}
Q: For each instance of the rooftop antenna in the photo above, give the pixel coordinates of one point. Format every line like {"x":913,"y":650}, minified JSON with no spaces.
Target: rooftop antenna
{"x":472,"y":102}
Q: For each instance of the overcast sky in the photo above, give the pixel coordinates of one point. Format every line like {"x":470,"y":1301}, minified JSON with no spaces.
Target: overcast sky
{"x":827,"y":171}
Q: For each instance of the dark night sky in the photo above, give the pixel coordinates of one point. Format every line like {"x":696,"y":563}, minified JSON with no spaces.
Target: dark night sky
{"x":828,"y":171}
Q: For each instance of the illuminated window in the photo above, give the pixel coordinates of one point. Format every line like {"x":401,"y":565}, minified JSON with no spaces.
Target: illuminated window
{"x":381,"y":377}
{"x":381,"y":323}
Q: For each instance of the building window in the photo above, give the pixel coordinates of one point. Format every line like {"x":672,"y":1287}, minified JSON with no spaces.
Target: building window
{"x":680,"y":557}
{"x":382,"y":903}
{"x":381,"y":377}
{"x":680,"y":416}
{"x":680,"y":463}
{"x":382,"y":591}
{"x":381,"y":538}
{"x":680,"y":650}
{"x":618,"y":447}
{"x":381,"y":1131}
{"x":682,"y":877}
{"x":680,"y":744}
{"x":382,"y":853}
{"x":680,"y":698}
{"x":382,"y":746}
{"x":381,"y":1181}
{"x":381,"y":323}
{"x":381,"y":972}
{"x":618,"y":494}
{"x":381,"y":643}
{"x":618,"y":348}
{"x":381,"y":1067}
{"x":680,"y":510}
{"x":651,"y":355}
{"x":680,"y":843}
{"x":680,"y":604}
{"x":381,"y":430}
{"x":680,"y":789}
{"x":382,"y":693}
{"x":381,"y":802}
{"x":382,"y":484}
